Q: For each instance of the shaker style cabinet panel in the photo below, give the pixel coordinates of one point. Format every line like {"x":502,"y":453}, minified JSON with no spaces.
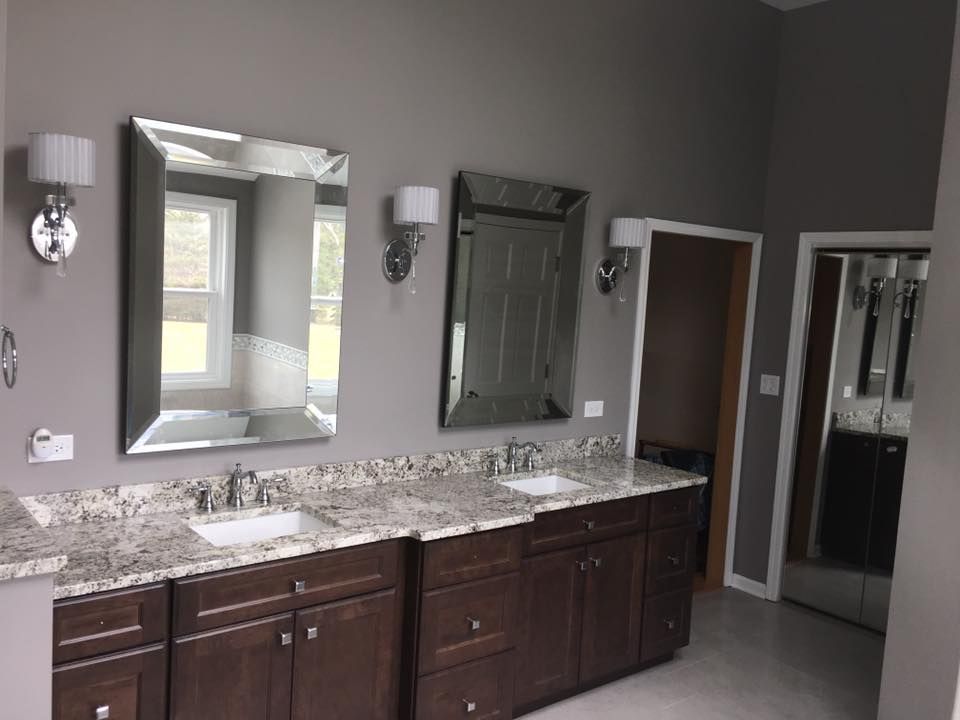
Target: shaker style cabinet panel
{"x":471,"y":557}
{"x":346,"y":660}
{"x":671,"y":559}
{"x":666,"y":624}
{"x":581,"y":525}
{"x":548,"y":649}
{"x":123,"y":686}
{"x":612,"y":607}
{"x":885,"y":518}
{"x":240,"y":672}
{"x":479,"y":690}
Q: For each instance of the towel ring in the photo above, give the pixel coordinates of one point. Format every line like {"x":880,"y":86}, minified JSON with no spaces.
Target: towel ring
{"x":8,"y":356}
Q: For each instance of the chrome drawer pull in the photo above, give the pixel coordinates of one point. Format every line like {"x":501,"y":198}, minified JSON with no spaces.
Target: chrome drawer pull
{"x":473,"y":623}
{"x":469,"y":706}
{"x":583,"y":565}
{"x":589,"y":524}
{"x":102,"y":713}
{"x":286,"y":638}
{"x":597,"y":562}
{"x":299,"y":585}
{"x":312,"y":633}
{"x":671,"y":624}
{"x":674,"y":560}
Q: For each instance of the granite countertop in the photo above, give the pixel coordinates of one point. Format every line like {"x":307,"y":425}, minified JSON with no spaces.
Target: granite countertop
{"x":115,"y":553}
{"x":26,"y":549}
{"x":872,"y":429}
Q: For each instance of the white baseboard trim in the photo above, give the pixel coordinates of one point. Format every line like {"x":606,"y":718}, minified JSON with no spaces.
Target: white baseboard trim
{"x":751,"y":587}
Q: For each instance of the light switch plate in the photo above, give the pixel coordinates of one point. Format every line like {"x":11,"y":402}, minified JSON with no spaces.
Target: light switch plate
{"x":593,"y":408}
{"x":62,"y":450}
{"x":770,"y":385}
{"x":848,"y":391}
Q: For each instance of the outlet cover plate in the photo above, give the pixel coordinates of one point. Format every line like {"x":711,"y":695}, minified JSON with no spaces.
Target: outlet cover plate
{"x":593,"y":408}
{"x":770,"y":385}
{"x":63,"y":450}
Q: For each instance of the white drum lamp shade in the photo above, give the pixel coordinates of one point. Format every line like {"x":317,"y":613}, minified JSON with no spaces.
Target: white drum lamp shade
{"x":61,"y":159}
{"x":914,"y":269}
{"x":414,"y":204}
{"x":882,"y":267}
{"x":627,"y":232}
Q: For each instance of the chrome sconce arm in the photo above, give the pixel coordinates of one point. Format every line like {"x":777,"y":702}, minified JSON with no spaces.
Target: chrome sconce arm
{"x":628,"y":234}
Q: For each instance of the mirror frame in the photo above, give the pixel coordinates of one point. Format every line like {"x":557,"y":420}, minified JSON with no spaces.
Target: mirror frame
{"x":538,"y":206}
{"x":144,"y":420}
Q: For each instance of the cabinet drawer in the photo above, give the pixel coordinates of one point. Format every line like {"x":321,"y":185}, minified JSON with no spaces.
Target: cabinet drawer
{"x":471,"y":557}
{"x":673,"y":508}
{"x":236,"y":595}
{"x":481,"y":690}
{"x":467,"y":622}
{"x":671,"y":559}
{"x":108,"y":622}
{"x":124,"y":686}
{"x":586,"y":524}
{"x":666,"y":624}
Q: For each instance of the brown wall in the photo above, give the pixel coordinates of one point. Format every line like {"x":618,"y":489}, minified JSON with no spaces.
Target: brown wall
{"x":660,"y":108}
{"x":684,"y":341}
{"x":856,"y":146}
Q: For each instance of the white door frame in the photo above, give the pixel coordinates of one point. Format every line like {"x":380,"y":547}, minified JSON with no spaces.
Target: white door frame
{"x":653,"y":225}
{"x":793,"y":378}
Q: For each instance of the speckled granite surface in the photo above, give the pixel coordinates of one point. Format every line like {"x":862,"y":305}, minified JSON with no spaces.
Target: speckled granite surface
{"x":123,"y":551}
{"x":867,"y":422}
{"x":177,"y":495}
{"x":26,"y":549}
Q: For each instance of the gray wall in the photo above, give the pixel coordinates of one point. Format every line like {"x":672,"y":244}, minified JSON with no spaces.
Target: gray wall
{"x":26,"y":653}
{"x":684,"y":341}
{"x":923,"y":635}
{"x":856,"y":146}
{"x":659,"y":107}
{"x":281,"y":256}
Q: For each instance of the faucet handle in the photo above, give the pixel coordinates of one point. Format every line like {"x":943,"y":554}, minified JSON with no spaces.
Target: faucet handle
{"x":206,"y":496}
{"x":263,"y":488}
{"x":495,"y":463}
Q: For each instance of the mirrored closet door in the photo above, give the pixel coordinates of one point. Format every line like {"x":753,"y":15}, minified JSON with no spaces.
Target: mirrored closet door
{"x":865,"y":320}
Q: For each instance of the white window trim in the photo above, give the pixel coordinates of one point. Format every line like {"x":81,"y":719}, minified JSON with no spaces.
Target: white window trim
{"x":223,"y":246}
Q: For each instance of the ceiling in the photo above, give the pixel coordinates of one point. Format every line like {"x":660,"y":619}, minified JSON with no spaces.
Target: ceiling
{"x":791,"y":4}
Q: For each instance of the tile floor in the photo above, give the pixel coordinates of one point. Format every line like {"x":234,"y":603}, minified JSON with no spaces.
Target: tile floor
{"x":747,"y":660}
{"x":847,"y":591}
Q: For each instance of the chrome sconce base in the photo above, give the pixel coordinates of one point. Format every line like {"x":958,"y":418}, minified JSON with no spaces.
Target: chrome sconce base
{"x":400,"y":258}
{"x":54,"y":231}
{"x":608,"y":276}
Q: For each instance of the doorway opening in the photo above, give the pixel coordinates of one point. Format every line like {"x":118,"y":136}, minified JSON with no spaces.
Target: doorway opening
{"x":691,"y":363}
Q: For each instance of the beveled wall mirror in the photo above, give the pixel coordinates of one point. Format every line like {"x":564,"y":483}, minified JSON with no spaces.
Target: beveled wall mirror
{"x":235,"y":288}
{"x":514,"y":301}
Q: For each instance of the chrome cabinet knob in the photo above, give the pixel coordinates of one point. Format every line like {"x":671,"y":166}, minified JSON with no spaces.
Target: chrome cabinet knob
{"x":583,"y":565}
{"x":102,"y":713}
{"x":589,"y":525}
{"x":597,"y":562}
{"x":286,"y":638}
{"x":299,"y":586}
{"x":671,"y":624}
{"x":312,"y":633}
{"x":473,"y":623}
{"x":674,"y":560}
{"x":469,"y":706}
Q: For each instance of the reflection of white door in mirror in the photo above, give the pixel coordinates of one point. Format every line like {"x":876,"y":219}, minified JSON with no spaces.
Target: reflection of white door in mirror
{"x":198,"y":286}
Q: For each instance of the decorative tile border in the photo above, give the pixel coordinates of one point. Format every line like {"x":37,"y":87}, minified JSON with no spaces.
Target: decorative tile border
{"x":119,"y":501}
{"x":271,"y":349}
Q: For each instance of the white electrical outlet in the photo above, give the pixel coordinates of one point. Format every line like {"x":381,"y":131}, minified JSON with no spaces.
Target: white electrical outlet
{"x":593,"y":408}
{"x":770,"y":385}
{"x":847,"y":391}
{"x":44,"y":447}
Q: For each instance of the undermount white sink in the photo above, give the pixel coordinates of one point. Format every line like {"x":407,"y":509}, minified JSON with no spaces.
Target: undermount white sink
{"x":261,"y":527}
{"x":544,"y":485}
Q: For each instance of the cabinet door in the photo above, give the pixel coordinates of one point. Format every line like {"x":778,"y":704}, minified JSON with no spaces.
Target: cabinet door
{"x":612,"y":607}
{"x":124,"y":686}
{"x":347,"y":660}
{"x":886,"y":504}
{"x":848,"y":489}
{"x":551,"y":608}
{"x":241,"y":672}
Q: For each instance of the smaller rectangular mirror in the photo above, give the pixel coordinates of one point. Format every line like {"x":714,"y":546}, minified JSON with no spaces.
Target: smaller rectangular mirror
{"x":514,"y":301}
{"x":235,"y":288}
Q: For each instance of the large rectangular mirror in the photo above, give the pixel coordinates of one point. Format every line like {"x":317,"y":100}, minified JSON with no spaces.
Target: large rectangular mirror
{"x":514,"y":301}
{"x":235,"y":288}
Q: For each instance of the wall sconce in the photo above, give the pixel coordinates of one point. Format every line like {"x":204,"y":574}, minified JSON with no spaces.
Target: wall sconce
{"x":912,"y":271}
{"x":412,"y":205}
{"x":625,"y":233}
{"x":879,"y":270}
{"x":60,"y":160}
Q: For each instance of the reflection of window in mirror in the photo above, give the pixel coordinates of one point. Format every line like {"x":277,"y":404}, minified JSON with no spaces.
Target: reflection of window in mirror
{"x":326,"y":302}
{"x":198,"y":258}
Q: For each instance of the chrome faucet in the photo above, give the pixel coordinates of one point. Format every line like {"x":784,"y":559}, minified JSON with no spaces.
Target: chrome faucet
{"x":262,"y":486}
{"x":235,"y":491}
{"x":513,"y":450}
